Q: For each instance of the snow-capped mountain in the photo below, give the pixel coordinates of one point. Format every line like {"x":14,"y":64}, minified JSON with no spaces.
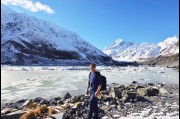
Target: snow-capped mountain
{"x":170,"y":46}
{"x":27,"y":40}
{"x":127,"y":51}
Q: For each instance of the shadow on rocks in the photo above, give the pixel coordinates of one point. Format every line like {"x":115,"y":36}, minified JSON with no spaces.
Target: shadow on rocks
{"x":143,"y":99}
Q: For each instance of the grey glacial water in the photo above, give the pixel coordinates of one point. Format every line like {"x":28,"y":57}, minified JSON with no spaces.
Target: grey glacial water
{"x":19,"y":82}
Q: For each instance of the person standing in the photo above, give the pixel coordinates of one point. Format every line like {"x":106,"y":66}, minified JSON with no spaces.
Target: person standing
{"x":93,"y":88}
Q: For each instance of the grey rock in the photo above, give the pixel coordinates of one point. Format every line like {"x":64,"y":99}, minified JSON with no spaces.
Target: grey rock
{"x":162,"y":90}
{"x":38,"y":99}
{"x":113,"y":102}
{"x":86,"y":102}
{"x":143,"y":99}
{"x":65,"y":116}
{"x":13,"y":115}
{"x":74,"y":99}
{"x":134,"y":82}
{"x":125,"y":99}
{"x":119,"y":107}
{"x":68,"y":107}
{"x":44,"y":101}
{"x":78,"y":105}
{"x":57,"y":98}
{"x":6,"y":111}
{"x":137,"y":87}
{"x":130,"y":87}
{"x":142,"y":91}
{"x":150,"y":84}
{"x":124,"y":93}
{"x":73,"y":111}
{"x":105,"y":92}
{"x":116,"y":93}
{"x":113,"y":106}
{"x":60,"y":102}
{"x":107,"y":98}
{"x":82,"y":98}
{"x":122,"y":87}
{"x":58,"y":116}
{"x":67,"y":95}
{"x":27,"y":102}
{"x":152,"y":91}
{"x":105,"y":108}
{"x":21,"y":101}
{"x":53,"y":102}
{"x":132,"y":95}
{"x":113,"y":84}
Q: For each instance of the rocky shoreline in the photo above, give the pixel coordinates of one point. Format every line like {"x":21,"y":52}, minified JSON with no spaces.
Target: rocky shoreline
{"x":135,"y":101}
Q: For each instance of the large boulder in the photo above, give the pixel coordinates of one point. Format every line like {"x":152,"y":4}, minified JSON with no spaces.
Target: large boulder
{"x":114,"y":87}
{"x":130,"y":87}
{"x":38,"y":99}
{"x":127,"y":96}
{"x":116,"y":93}
{"x":75,"y":99}
{"x":162,"y":90}
{"x":142,"y":91}
{"x":122,"y":87}
{"x":124,"y":93}
{"x":152,"y":91}
{"x":139,"y":86}
{"x":132,"y":95}
{"x":44,"y":101}
{"x":148,"y":91}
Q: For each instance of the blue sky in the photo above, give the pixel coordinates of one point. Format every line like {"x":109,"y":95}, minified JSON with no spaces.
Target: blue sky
{"x":101,"y":22}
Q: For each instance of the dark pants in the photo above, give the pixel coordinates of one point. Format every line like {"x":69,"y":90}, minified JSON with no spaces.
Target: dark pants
{"x":93,"y":106}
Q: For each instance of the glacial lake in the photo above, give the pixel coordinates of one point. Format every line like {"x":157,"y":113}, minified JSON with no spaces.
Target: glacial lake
{"x":22,"y":82}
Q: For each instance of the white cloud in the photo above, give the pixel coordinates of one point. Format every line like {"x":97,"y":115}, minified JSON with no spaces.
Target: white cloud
{"x":29,"y":5}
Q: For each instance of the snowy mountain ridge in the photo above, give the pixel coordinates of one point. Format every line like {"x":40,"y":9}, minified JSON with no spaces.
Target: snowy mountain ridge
{"x":127,"y":51}
{"x":28,"y":40}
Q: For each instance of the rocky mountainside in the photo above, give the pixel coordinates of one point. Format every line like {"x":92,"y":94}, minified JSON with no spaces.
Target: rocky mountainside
{"x":27,"y":40}
{"x":127,"y":51}
{"x":169,"y":61}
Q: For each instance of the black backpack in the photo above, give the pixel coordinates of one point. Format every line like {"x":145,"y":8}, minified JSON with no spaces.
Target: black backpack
{"x":103,"y":81}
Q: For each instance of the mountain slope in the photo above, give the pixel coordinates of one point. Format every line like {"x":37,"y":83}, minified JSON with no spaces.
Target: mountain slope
{"x":27,"y":40}
{"x":126,"y":51}
{"x":170,"y":61}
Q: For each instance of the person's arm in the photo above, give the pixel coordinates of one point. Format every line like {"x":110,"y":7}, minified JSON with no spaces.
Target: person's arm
{"x":99,"y":87}
{"x":98,"y":91}
{"x":87,"y":90}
